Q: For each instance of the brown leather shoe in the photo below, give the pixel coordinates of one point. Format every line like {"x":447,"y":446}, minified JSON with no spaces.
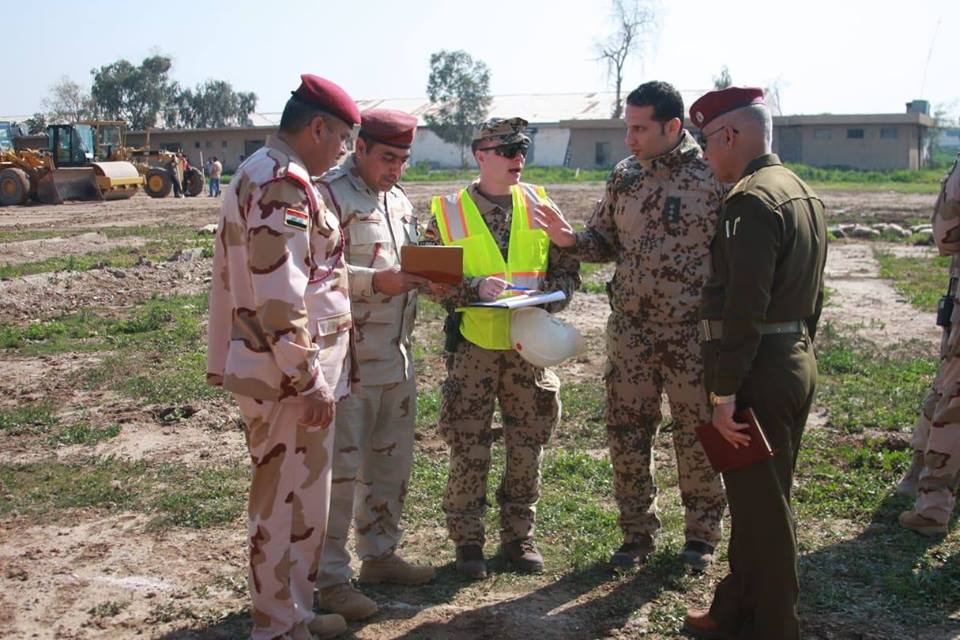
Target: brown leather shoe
{"x":470,"y":562}
{"x":699,"y":624}
{"x":523,"y":555}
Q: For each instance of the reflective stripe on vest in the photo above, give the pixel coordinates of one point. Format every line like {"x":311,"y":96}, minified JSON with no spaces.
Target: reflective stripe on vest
{"x":460,"y":224}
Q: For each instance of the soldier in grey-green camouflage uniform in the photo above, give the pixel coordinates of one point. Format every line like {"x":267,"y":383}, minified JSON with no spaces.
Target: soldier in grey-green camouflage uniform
{"x":655,"y":221}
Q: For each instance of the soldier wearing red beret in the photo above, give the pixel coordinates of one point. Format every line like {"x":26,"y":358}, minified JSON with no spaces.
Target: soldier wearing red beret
{"x":759,"y":314}
{"x":375,"y":428}
{"x":279,"y":341}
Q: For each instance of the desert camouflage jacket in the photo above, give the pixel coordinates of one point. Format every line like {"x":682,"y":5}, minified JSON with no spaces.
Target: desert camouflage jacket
{"x":375,"y":226}
{"x":946,"y":219}
{"x":656,"y":220}
{"x":279,"y":304}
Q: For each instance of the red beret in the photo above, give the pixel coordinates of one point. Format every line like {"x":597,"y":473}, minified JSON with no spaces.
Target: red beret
{"x":389,"y":126}
{"x":716,"y":103}
{"x":328,"y":96}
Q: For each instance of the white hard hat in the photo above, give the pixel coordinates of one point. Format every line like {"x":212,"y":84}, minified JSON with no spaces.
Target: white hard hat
{"x":542,"y":339}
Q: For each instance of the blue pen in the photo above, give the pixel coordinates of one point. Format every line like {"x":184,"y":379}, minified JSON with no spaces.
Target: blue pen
{"x":513,"y":287}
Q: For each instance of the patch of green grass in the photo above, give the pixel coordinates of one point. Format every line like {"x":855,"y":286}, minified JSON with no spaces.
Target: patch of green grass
{"x":84,"y":433}
{"x":107,"y":609}
{"x":32,"y":417}
{"x":593,"y":277}
{"x":901,"y":181}
{"x":582,"y":426}
{"x":177,"y":495}
{"x":921,"y":280}
{"x":881,"y":391}
{"x":428,"y":407}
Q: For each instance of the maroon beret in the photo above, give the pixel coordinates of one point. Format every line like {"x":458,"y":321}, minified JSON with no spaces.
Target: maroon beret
{"x":716,"y":103}
{"x":388,"y":126}
{"x":328,"y":96}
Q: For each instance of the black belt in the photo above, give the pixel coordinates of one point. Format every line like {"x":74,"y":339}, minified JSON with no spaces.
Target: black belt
{"x":713,"y":329}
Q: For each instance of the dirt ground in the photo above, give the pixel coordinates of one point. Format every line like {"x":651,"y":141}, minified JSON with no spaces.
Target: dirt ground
{"x":180,"y":583}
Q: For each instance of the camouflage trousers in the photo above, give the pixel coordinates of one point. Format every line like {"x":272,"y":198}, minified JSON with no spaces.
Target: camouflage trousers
{"x":529,"y":400}
{"x":373,"y":453}
{"x":287,"y":512}
{"x":644,"y":359}
{"x":937,"y":436}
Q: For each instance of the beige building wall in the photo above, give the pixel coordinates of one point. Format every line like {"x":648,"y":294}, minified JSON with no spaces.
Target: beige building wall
{"x":871,"y":147}
{"x":595,"y":144}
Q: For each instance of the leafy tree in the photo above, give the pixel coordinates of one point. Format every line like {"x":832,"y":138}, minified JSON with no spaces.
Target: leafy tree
{"x":459,"y":91}
{"x":136,"y":94}
{"x":36,"y":124}
{"x":68,"y":102}
{"x":634,"y":19}
{"x":211,"y":104}
{"x":723,"y":80}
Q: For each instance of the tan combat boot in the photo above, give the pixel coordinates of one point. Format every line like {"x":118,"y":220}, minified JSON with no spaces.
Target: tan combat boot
{"x":327,"y":626}
{"x":922,"y":524}
{"x":909,"y":483}
{"x":345,"y":600}
{"x":394,"y":570}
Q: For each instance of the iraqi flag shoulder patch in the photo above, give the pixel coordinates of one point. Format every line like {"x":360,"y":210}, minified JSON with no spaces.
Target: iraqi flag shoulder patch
{"x":296,"y":219}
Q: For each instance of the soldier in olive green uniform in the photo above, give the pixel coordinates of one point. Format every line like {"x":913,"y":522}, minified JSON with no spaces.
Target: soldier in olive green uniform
{"x":373,"y":447}
{"x":936,"y":441}
{"x":759,"y":314}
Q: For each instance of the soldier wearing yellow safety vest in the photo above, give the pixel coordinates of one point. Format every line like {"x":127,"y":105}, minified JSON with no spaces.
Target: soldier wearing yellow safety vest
{"x":503,"y":250}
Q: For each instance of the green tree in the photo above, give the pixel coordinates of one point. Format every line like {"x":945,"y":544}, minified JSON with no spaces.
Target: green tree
{"x":68,"y":102}
{"x":459,"y":92}
{"x":723,"y":80}
{"x":135,"y":94}
{"x":212,"y":104}
{"x":36,"y":124}
{"x":634,"y":19}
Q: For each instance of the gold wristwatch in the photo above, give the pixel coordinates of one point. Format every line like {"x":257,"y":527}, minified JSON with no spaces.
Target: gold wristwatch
{"x":715,"y":399}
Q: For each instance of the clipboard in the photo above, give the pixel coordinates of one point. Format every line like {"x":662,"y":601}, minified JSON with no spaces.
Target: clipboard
{"x":523,"y":300}
{"x":436,"y":263}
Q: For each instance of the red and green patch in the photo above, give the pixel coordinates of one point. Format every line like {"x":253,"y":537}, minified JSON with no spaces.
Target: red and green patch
{"x":296,"y":219}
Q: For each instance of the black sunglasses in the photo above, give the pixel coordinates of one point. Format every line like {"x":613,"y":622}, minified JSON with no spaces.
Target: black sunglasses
{"x":509,"y":151}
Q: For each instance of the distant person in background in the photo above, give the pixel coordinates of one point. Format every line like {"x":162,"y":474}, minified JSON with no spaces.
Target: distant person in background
{"x":932,"y":478}
{"x":173,"y":168}
{"x":216,"y":170}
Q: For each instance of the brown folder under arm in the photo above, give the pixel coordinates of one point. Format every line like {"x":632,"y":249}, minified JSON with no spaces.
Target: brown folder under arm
{"x":724,"y":456}
{"x":438,"y":264}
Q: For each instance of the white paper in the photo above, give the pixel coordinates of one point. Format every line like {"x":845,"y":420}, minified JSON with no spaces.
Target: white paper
{"x":522,"y":300}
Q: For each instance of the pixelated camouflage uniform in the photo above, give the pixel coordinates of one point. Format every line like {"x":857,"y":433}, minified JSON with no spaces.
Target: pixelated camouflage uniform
{"x":655,"y":221}
{"x":375,"y":427}
{"x":937,"y":434}
{"x":279,"y":330}
{"x":477,"y":379}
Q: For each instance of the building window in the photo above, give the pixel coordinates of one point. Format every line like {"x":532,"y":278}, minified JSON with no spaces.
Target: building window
{"x":854,"y":134}
{"x":224,"y":144}
{"x":208,"y":144}
{"x":601,"y":156}
{"x":821,"y":134}
{"x":196,"y":145}
{"x":888,"y":133}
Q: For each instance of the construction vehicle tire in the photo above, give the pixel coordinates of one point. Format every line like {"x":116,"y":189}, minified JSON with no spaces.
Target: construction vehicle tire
{"x":157,"y":183}
{"x":14,"y":186}
{"x":193,"y":182}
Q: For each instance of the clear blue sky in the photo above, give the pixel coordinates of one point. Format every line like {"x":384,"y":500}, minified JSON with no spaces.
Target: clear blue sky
{"x":827,"y":55}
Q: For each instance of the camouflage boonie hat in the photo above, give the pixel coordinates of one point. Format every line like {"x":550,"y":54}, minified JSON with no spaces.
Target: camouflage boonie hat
{"x":503,"y":131}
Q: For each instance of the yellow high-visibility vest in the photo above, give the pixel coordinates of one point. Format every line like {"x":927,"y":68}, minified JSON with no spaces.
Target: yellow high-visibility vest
{"x":461,"y":224}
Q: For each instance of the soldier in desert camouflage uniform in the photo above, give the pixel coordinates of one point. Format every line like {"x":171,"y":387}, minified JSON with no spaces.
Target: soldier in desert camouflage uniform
{"x":279,"y":340}
{"x":375,"y":428}
{"x":655,"y":221}
{"x":483,"y":368}
{"x":936,"y":439}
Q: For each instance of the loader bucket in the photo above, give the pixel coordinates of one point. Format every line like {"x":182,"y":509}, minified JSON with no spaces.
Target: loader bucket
{"x":75,"y":183}
{"x":117,"y":180}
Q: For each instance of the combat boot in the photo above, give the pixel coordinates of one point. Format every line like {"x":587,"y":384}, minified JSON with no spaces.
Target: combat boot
{"x":922,"y":524}
{"x":697,"y":555}
{"x":327,"y":626}
{"x":344,"y":599}
{"x":394,"y":570}
{"x":523,"y":555}
{"x":909,"y":483}
{"x":470,"y":562}
{"x":633,"y":552}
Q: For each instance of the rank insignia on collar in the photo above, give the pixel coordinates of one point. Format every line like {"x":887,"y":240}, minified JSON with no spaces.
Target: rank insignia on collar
{"x":296,"y":219}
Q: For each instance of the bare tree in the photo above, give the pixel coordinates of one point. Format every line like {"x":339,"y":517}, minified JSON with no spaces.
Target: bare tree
{"x":723,"y":80}
{"x":68,"y":102}
{"x":634,"y":19}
